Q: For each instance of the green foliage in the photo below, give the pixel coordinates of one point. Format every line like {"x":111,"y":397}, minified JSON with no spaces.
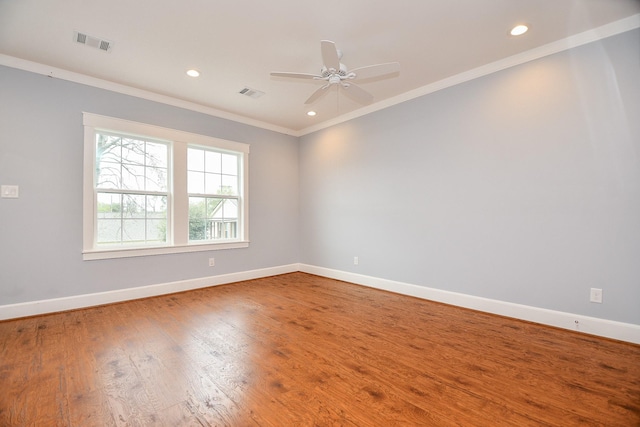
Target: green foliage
{"x":109,"y":207}
{"x":197,"y":216}
{"x":200,"y":211}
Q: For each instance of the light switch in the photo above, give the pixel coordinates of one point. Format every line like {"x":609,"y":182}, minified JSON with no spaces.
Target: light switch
{"x":9,"y":192}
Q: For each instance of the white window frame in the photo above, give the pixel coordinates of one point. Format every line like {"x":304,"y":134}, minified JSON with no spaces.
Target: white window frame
{"x":178,"y":200}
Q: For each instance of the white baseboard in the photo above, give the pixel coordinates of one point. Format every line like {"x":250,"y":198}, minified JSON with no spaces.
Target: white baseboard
{"x":33,"y":308}
{"x":589,"y":325}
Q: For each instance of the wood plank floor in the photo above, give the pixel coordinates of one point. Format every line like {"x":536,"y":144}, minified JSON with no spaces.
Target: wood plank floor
{"x":301,"y":350}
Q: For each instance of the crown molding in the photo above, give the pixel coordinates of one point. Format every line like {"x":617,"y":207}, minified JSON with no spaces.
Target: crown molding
{"x":59,"y":73}
{"x":599,"y":33}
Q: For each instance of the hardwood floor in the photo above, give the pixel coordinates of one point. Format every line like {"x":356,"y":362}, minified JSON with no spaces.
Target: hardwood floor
{"x":301,"y":350}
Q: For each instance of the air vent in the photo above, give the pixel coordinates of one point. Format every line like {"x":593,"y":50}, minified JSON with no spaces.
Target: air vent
{"x":92,"y":41}
{"x":252,"y":93}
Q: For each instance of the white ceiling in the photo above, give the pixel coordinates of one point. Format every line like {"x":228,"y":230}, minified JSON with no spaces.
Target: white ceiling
{"x":238,"y":43}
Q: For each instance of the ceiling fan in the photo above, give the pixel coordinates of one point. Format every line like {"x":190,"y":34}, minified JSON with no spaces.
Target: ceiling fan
{"x":335,"y":73}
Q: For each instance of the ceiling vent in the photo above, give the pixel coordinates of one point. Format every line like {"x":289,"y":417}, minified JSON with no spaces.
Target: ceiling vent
{"x":91,"y":41}
{"x":252,"y":93}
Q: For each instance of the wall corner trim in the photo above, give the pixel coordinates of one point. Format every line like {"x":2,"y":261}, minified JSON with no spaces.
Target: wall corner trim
{"x":589,"y":325}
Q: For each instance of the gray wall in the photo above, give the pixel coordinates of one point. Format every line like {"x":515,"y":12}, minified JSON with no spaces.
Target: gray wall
{"x":521,"y":186}
{"x":41,"y":150}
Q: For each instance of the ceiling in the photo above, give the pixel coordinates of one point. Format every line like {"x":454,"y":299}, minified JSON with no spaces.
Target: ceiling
{"x":236,"y":44}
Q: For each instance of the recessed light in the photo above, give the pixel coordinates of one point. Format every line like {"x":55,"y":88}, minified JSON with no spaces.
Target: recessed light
{"x":519,"y":30}
{"x":193,"y":73}
{"x":311,"y":113}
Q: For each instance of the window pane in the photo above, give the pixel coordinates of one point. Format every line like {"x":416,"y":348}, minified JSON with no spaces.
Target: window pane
{"x":230,"y":230}
{"x":197,"y":207}
{"x":214,"y":208}
{"x":157,"y":230}
{"x":133,"y":151}
{"x":156,"y":179}
{"x":131,"y":164}
{"x":195,"y":160}
{"x":230,"y":164}
{"x":108,"y":175}
{"x":212,"y":183}
{"x":195,"y":182}
{"x":220,"y":175}
{"x":230,"y":209}
{"x":109,"y":231}
{"x":131,"y":219}
{"x":157,"y":155}
{"x":156,"y":207}
{"x":197,"y":218}
{"x":132,"y":177}
{"x":197,"y":229}
{"x":213,"y":162}
{"x":108,"y":148}
{"x":212,"y":218}
{"x":229,"y":185}
{"x":109,"y":205}
{"x":133,"y":230}
{"x":133,"y":206}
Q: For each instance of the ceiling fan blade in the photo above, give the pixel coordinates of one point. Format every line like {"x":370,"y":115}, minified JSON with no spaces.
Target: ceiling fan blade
{"x":330,"y":54}
{"x":296,"y":75}
{"x":317,"y":94}
{"x":357,"y":93}
{"x":378,"y":70}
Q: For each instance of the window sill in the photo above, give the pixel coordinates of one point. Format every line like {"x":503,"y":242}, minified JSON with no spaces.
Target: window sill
{"x":96,"y":254}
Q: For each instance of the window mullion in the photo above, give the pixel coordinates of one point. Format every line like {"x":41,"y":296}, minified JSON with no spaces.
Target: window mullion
{"x":180,"y":205}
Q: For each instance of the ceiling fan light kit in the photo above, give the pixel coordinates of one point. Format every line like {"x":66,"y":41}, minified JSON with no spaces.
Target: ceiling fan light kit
{"x":334,"y":73}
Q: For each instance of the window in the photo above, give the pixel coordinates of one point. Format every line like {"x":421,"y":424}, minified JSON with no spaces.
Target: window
{"x":131,"y":182}
{"x":213,"y":194}
{"x":151,"y":190}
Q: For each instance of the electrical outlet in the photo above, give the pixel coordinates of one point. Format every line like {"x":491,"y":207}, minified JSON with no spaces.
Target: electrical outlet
{"x":9,"y":192}
{"x":596,"y":295}
{"x":355,"y":260}
{"x":212,"y":262}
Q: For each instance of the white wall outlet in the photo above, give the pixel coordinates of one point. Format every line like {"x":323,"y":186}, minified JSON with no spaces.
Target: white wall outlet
{"x":355,"y":260}
{"x":9,"y":191}
{"x":596,"y":295}
{"x":212,"y":262}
